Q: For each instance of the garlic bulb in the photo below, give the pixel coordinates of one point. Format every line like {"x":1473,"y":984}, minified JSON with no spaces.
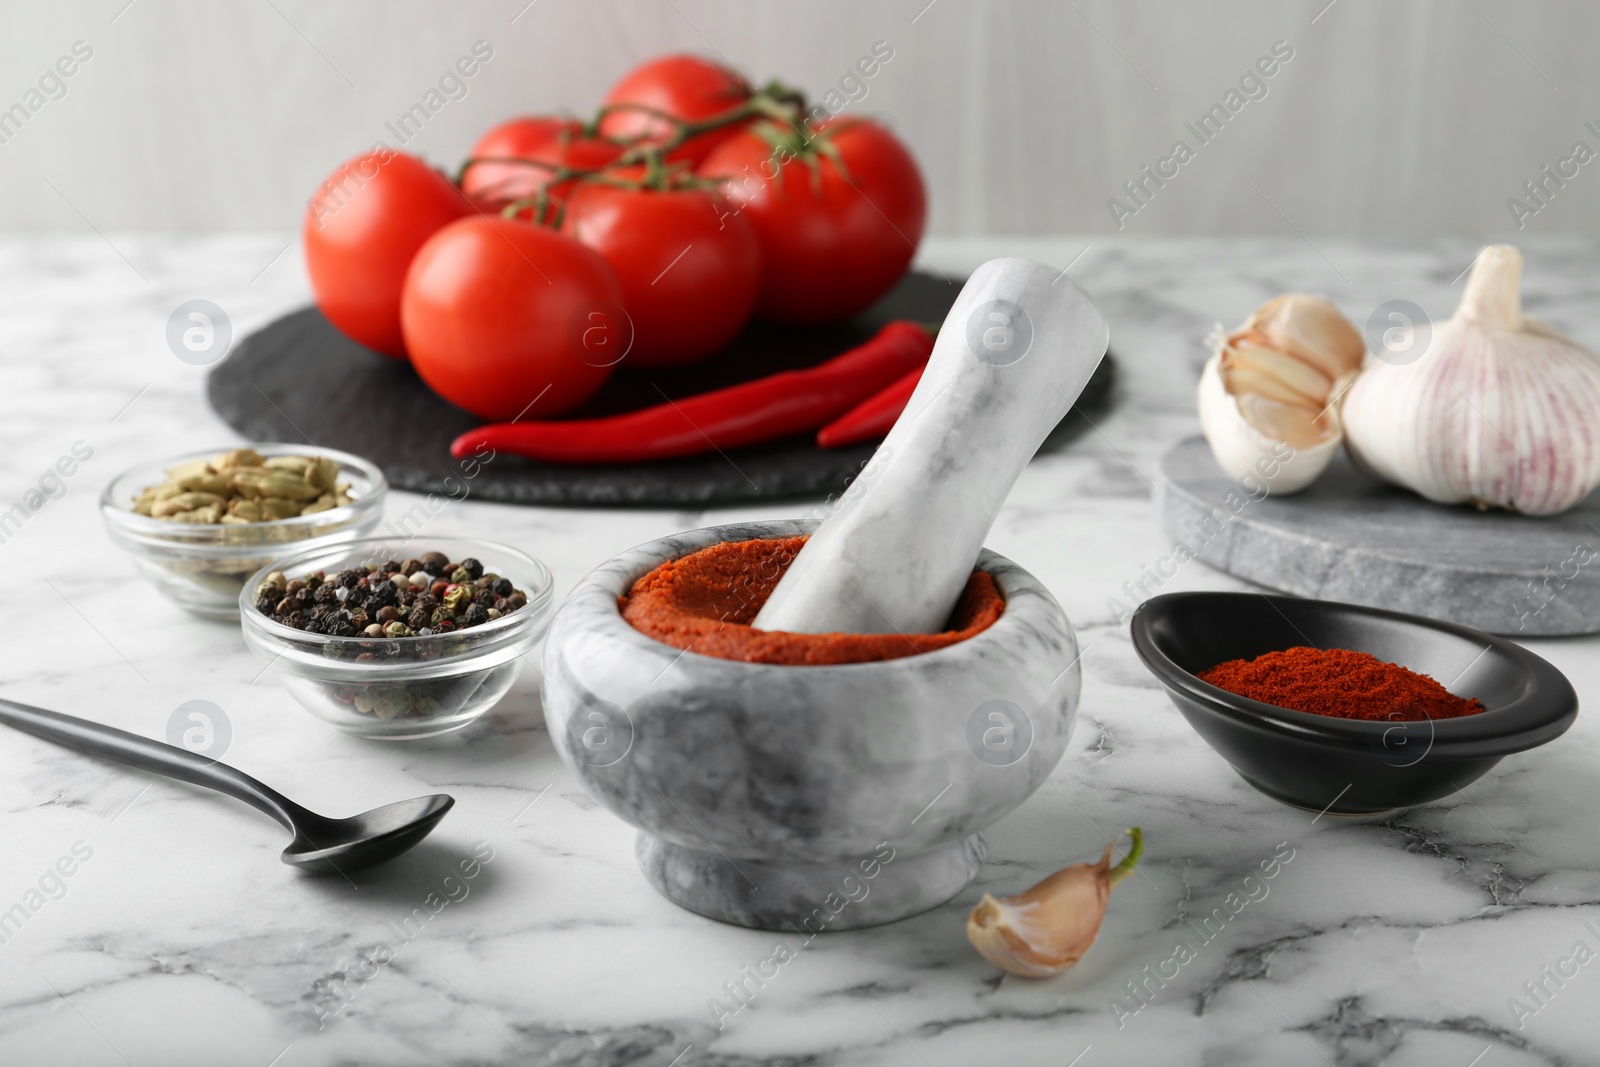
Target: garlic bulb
{"x":1049,"y":927}
{"x":1500,"y":411}
{"x":1265,"y":395}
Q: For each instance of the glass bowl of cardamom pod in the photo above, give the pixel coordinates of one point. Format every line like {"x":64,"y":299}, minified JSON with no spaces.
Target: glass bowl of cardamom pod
{"x":198,"y":525}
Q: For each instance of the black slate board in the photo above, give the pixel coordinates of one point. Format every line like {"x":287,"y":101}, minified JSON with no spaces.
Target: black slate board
{"x":298,"y":378}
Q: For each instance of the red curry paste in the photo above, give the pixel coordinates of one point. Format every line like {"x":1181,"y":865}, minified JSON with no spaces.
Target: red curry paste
{"x":705,"y":602}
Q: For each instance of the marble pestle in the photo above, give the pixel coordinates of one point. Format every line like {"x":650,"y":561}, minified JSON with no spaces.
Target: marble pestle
{"x":893,"y":556}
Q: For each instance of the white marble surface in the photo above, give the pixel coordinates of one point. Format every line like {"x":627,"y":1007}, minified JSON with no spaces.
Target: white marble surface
{"x":182,"y":940}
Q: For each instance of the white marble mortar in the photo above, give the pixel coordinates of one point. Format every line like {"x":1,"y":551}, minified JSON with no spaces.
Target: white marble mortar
{"x":819,"y":797}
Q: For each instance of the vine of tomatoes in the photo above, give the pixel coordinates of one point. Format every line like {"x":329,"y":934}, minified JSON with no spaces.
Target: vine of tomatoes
{"x":645,"y":237}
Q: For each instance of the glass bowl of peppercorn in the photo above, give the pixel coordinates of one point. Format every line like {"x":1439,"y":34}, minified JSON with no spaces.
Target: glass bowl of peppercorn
{"x":386,"y":642}
{"x":197,"y":526}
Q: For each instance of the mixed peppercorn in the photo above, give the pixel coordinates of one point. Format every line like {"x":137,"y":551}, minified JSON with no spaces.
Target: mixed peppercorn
{"x":412,"y":598}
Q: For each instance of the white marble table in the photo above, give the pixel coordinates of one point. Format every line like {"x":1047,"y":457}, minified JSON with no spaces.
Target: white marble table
{"x":181,"y":939}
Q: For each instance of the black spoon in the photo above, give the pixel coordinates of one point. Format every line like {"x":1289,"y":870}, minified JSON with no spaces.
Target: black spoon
{"x":320,"y":844}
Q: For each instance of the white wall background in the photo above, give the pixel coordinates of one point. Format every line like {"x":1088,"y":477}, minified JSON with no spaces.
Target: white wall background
{"x":1393,"y":120}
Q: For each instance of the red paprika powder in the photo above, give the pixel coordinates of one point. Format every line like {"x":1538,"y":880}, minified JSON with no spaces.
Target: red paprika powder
{"x":1340,"y":683}
{"x":706,"y":601}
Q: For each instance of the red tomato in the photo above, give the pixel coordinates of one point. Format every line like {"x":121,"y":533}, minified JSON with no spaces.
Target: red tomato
{"x":362,"y":226}
{"x":501,"y":318}
{"x":685,"y":87}
{"x":690,"y":268}
{"x":541,"y":139}
{"x":831,"y":244}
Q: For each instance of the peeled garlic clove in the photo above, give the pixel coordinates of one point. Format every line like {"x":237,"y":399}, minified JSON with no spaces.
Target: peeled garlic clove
{"x":1296,"y":425}
{"x":1311,"y":329}
{"x":1282,"y":446}
{"x":1048,"y":928}
{"x":1501,"y":411}
{"x":1253,"y":370}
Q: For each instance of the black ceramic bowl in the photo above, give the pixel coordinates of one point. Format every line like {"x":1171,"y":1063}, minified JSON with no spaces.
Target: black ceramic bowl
{"x":1346,"y":766}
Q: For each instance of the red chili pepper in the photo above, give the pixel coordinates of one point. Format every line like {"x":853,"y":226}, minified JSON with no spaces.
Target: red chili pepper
{"x":873,"y":417}
{"x":745,"y":414}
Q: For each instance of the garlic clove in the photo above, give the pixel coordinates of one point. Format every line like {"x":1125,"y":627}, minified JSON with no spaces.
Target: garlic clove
{"x":1501,"y":411}
{"x":1047,"y":928}
{"x":1294,"y":424}
{"x":1251,"y":369}
{"x":1311,"y":329}
{"x":1279,"y":445}
{"x":1268,"y":397}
